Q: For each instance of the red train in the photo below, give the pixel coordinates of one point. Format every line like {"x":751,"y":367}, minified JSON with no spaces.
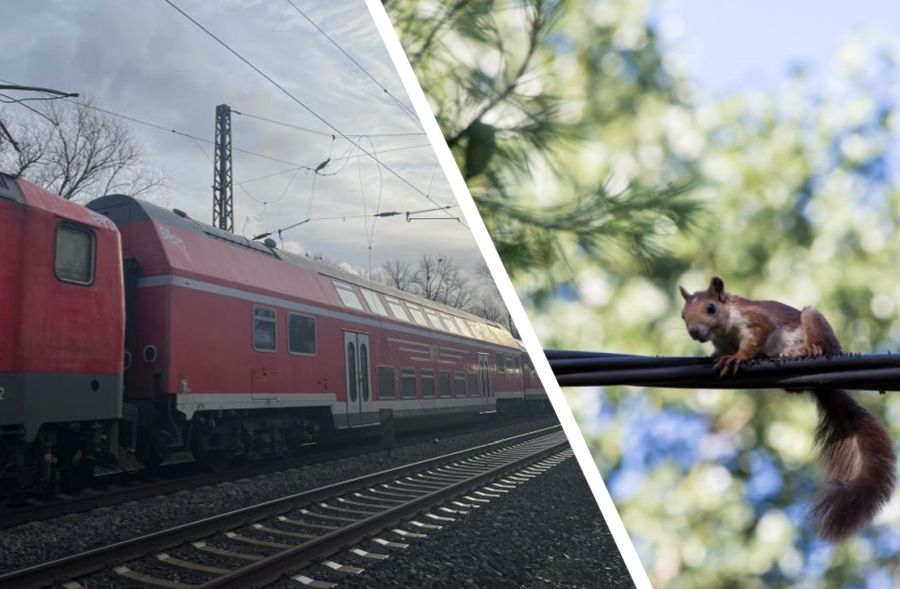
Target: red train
{"x":127,"y":326}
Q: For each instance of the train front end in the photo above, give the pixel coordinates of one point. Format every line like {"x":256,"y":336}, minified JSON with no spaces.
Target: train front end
{"x":62,"y":321}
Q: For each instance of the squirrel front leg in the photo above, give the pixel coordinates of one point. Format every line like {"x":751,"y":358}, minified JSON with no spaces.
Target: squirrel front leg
{"x":750,"y":347}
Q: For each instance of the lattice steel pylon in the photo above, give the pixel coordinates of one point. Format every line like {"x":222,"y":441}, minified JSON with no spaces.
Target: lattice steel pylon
{"x":223,"y":195}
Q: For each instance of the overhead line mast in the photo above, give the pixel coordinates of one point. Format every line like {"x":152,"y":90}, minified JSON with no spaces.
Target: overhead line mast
{"x":223,"y":195}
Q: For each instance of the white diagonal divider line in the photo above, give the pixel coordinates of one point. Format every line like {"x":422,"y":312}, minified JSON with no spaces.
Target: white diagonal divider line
{"x":508,"y":293}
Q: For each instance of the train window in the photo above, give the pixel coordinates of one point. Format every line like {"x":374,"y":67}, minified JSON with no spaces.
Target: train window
{"x":444,"y":383}
{"x":374,"y":301}
{"x":348,"y":295}
{"x":75,"y":254}
{"x":408,"y":382}
{"x":450,"y":323}
{"x":416,"y":312}
{"x":386,"y":382}
{"x":364,"y":374}
{"x":301,"y":334}
{"x":397,"y":308}
{"x":510,"y":364}
{"x":464,"y":327}
{"x":459,"y":384}
{"x":427,"y":382}
{"x":351,"y":371}
{"x":434,"y":320}
{"x":264,"y":338}
{"x":473,"y":384}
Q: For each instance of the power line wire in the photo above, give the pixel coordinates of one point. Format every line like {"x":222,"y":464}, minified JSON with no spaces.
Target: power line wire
{"x":321,"y":133}
{"x":399,"y":102}
{"x":339,"y":158}
{"x":382,"y":214}
{"x":299,"y":102}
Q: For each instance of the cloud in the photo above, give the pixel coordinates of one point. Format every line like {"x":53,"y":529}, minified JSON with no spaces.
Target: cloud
{"x":145,"y":60}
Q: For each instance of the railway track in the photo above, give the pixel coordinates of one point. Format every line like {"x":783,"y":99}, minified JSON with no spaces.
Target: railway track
{"x":184,"y":476}
{"x":364,"y":519}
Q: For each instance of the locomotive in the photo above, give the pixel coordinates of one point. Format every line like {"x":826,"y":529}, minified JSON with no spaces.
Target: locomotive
{"x":132,"y":330}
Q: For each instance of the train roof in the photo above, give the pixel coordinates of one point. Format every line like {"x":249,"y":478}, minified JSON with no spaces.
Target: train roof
{"x":140,"y":210}
{"x":25,"y":193}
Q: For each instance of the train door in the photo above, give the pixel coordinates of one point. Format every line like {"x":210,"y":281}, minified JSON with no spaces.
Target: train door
{"x":358,"y":373}
{"x":485,"y":379}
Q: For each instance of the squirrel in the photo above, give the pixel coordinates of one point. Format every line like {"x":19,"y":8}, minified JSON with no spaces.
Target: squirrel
{"x":857,"y":453}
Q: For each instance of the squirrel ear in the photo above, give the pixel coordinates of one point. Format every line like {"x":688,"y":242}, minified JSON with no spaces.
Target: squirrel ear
{"x":684,"y":294}
{"x":717,"y":287}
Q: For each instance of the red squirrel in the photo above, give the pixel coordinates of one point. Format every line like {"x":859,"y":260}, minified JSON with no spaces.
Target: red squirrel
{"x":857,"y":453}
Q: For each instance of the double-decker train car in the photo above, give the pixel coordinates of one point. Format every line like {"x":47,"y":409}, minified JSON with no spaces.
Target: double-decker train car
{"x":231,"y":346}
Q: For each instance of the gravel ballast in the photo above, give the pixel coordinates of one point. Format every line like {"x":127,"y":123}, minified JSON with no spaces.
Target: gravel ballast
{"x":548,"y":533}
{"x":38,"y":542}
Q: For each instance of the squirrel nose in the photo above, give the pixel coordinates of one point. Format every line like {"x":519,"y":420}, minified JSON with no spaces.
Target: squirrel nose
{"x":695,"y":332}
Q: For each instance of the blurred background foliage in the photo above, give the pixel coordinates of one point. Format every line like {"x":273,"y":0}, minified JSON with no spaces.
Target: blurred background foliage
{"x":606,"y":179}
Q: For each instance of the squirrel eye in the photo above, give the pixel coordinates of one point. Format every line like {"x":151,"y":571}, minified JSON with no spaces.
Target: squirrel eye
{"x":711,"y":309}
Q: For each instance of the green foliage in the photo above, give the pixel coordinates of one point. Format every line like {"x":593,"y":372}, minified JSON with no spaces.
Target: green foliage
{"x":800,"y":206}
{"x":799,"y":203}
{"x":514,"y":106}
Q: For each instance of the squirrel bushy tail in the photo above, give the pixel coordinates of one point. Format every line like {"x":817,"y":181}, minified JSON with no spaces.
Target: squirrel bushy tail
{"x":859,"y":460}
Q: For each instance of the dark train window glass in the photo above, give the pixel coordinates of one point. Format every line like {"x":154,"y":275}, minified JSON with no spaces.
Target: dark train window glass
{"x":473,"y":384}
{"x":408,"y":382}
{"x":75,"y":253}
{"x":351,"y":370}
{"x":444,"y":383}
{"x":364,"y":367}
{"x":427,"y":382}
{"x":459,"y":384}
{"x":264,"y":329}
{"x":386,"y":382}
{"x":301,"y":334}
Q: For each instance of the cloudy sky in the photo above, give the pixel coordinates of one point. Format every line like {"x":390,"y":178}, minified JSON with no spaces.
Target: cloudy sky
{"x":144,"y":59}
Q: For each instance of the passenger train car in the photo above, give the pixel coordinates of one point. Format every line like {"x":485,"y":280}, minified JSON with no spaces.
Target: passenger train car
{"x":128,"y":325}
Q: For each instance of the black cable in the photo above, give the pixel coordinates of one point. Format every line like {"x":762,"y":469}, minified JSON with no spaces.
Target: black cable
{"x":869,"y":372}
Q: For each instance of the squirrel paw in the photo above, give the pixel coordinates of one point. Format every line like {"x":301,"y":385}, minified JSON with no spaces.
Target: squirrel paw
{"x":728,"y":362}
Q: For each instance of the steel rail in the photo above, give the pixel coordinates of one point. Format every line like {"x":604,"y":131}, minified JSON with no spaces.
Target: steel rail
{"x":91,"y":561}
{"x":272,"y":568}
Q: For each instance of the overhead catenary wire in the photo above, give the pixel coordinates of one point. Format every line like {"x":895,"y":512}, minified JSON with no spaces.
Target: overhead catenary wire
{"x":296,"y":100}
{"x":318,"y":132}
{"x":380,"y":215}
{"x":368,"y":74}
{"x":7,"y":99}
{"x":294,"y":165}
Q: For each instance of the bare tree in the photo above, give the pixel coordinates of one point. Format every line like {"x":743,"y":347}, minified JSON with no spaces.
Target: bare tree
{"x":439,"y":279}
{"x":76,"y":151}
{"x":396,"y":273}
{"x":490,"y":307}
{"x":436,"y":278}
